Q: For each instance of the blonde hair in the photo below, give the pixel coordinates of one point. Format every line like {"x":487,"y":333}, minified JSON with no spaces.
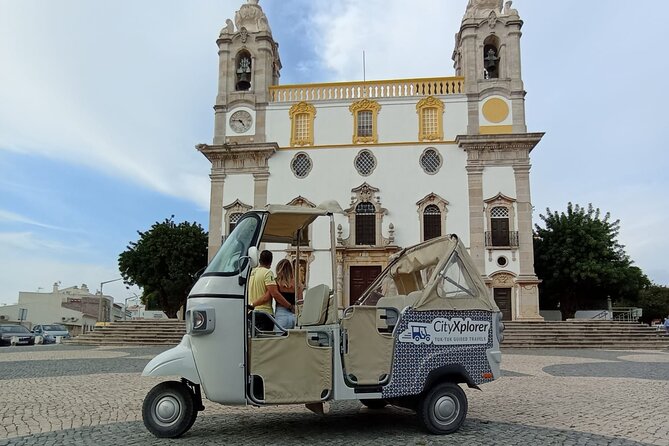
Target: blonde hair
{"x":284,"y":273}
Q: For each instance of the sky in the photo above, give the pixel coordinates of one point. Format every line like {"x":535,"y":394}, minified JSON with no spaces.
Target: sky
{"x":102,"y":104}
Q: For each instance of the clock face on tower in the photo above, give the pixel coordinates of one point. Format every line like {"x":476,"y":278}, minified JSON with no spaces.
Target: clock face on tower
{"x":240,"y":121}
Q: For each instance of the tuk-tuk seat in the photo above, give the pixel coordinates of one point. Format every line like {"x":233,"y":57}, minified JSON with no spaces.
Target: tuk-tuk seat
{"x":315,"y":307}
{"x":400,"y":302}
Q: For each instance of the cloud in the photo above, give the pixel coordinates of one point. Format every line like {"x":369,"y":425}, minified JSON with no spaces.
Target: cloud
{"x":8,"y":216}
{"x":123,"y":100}
{"x":401,"y":39}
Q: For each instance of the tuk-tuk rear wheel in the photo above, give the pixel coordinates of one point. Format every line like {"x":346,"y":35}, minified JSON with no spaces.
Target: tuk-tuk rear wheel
{"x":443,"y":408}
{"x":169,"y":409}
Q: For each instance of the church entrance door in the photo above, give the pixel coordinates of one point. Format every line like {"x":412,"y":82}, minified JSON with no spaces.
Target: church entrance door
{"x":360,"y":278}
{"x":503,"y":301}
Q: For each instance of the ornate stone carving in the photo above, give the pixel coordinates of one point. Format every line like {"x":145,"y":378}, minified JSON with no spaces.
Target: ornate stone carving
{"x":238,"y":158}
{"x":244,"y":34}
{"x":482,"y":5}
{"x":502,"y":280}
{"x":229,"y":28}
{"x":492,"y":19}
{"x":508,"y":10}
{"x":251,"y":17}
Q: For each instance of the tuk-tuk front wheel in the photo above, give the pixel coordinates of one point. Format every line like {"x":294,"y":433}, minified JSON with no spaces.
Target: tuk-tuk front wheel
{"x":443,"y":408}
{"x":169,"y":409}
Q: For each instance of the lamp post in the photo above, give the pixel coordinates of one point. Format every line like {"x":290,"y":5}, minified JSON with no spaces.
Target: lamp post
{"x":125,"y":307}
{"x":100,"y":313}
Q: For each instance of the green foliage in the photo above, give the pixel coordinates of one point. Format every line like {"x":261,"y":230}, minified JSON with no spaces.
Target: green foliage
{"x":655,"y":303}
{"x":581,"y":263}
{"x":164,"y":262}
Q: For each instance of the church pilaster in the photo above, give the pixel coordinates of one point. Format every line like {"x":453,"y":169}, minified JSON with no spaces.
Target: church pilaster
{"x":216,"y":213}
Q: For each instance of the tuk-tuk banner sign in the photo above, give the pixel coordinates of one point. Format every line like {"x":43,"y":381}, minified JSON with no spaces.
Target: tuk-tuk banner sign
{"x":444,"y":331}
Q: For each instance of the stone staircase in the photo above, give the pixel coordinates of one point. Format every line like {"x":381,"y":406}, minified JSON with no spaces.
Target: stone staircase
{"x":582,"y":334}
{"x":135,"y":332}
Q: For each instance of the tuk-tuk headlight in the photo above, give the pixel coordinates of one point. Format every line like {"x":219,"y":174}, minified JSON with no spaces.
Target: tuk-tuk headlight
{"x":201,"y":320}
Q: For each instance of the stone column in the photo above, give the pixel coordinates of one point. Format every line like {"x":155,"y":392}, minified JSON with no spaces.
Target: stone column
{"x":524,"y":213}
{"x":260,"y":189}
{"x":527,"y":281}
{"x":216,"y":213}
{"x":476,"y":217}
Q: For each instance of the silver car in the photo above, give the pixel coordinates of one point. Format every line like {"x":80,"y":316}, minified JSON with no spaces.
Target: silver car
{"x":50,"y":331}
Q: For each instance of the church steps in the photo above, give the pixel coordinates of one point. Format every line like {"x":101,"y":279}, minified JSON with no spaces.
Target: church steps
{"x":582,"y":334}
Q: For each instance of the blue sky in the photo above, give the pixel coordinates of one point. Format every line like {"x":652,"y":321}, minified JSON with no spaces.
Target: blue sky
{"x":102,"y":103}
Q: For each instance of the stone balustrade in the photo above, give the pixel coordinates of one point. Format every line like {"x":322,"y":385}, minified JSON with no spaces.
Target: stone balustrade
{"x":400,"y":88}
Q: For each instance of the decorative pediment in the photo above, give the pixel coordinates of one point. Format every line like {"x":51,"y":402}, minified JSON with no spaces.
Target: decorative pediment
{"x":430,"y":102}
{"x":365,"y":104}
{"x":499,"y":198}
{"x":302,"y":107}
{"x":432,"y":198}
{"x":301,"y":201}
{"x":237,"y":206}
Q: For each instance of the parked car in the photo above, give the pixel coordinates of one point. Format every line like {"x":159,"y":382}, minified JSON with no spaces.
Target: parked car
{"x":8,"y":331}
{"x":50,"y":331}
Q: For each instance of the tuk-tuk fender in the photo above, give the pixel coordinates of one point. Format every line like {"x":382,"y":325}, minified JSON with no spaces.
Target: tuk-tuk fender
{"x":454,"y":373}
{"x":175,"y":361}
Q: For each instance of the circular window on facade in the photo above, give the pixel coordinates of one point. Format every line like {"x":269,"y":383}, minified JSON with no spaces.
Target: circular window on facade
{"x":365,"y":163}
{"x":502,"y":261}
{"x":430,"y":161}
{"x":301,"y":165}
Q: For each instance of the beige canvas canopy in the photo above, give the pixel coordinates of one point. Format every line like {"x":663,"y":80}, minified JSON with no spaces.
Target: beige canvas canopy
{"x":284,"y":221}
{"x":438,"y":275}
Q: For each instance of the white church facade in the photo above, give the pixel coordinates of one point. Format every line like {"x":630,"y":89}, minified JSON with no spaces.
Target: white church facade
{"x":407,"y":159}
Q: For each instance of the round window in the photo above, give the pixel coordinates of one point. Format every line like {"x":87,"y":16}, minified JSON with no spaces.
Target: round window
{"x":301,"y":165}
{"x":502,"y":261}
{"x":365,"y":163}
{"x":430,"y":161}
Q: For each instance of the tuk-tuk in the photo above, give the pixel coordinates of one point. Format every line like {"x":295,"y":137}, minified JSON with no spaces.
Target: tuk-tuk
{"x":426,"y":325}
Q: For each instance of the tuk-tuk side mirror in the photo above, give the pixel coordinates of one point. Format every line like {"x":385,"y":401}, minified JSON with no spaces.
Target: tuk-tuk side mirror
{"x":254,"y":256}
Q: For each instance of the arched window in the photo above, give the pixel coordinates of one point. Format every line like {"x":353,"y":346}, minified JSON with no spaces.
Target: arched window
{"x":431,"y":222}
{"x":243,"y":71}
{"x":365,"y":224}
{"x":432,"y":213}
{"x":491,"y":59}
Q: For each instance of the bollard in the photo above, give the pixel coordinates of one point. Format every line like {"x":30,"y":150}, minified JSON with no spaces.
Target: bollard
{"x":39,"y":340}
{"x":59,"y":339}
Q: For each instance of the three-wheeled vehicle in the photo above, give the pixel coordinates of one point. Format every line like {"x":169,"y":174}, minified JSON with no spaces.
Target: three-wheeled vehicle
{"x":426,"y":325}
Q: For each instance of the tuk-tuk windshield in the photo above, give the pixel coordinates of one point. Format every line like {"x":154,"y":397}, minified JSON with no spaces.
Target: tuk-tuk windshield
{"x":236,"y":245}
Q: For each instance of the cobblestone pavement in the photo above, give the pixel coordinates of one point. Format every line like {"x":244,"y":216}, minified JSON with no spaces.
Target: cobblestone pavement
{"x":69,"y":395}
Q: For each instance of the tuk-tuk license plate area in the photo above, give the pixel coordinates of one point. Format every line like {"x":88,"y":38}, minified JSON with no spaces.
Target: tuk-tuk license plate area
{"x":428,"y":340}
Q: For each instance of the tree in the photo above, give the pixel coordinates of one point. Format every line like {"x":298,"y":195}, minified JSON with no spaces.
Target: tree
{"x":165,"y":262}
{"x":655,"y":303}
{"x":581,"y":262}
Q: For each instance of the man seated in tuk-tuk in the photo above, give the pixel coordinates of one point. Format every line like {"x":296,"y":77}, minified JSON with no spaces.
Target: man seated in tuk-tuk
{"x":262,"y":289}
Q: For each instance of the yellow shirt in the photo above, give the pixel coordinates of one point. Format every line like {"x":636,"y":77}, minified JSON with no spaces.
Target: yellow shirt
{"x":260,"y":278}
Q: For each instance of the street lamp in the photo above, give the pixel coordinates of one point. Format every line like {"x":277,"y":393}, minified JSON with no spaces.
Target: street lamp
{"x":125,"y":307}
{"x":102,"y":297}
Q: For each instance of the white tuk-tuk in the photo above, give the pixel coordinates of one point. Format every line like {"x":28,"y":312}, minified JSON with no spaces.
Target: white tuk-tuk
{"x":427,"y":324}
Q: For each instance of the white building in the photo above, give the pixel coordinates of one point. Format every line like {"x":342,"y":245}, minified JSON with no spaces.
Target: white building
{"x":75,"y":307}
{"x":408,"y":159}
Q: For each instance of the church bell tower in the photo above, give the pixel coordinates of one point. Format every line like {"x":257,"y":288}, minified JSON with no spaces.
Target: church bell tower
{"x":487,"y":54}
{"x":249,"y":64}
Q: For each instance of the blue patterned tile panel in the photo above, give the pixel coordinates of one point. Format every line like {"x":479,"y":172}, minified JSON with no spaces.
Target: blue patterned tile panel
{"x":426,"y":340}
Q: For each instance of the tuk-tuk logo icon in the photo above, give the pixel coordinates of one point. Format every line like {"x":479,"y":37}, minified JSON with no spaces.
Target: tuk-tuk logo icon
{"x":420,"y":333}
